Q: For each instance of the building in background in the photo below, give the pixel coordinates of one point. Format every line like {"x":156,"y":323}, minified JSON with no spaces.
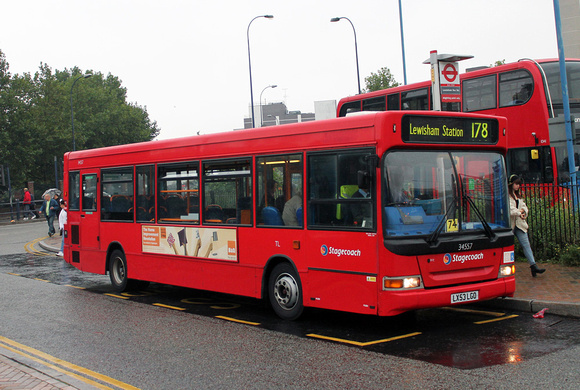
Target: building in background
{"x":570,"y":16}
{"x":275,"y":114}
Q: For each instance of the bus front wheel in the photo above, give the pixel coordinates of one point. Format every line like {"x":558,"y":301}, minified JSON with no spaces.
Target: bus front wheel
{"x":118,"y":271}
{"x":285,"y":292}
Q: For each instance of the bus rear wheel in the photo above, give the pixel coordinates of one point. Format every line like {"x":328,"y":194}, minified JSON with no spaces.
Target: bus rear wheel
{"x":118,"y":271}
{"x":285,"y":292}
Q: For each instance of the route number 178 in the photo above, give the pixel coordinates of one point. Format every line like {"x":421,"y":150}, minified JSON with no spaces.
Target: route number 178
{"x":479,"y":130}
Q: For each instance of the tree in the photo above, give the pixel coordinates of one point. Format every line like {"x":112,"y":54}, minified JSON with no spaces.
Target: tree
{"x":497,"y":63}
{"x":35,"y":119}
{"x":383,"y":79}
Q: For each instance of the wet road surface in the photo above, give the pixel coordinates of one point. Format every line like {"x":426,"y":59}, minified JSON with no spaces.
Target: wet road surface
{"x":465,"y":337}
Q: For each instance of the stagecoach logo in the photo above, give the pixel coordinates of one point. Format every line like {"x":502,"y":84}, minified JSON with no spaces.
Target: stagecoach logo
{"x":448,"y":259}
{"x":325,"y":250}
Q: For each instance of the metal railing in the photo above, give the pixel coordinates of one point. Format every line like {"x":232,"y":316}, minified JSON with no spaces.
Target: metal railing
{"x":15,"y":211}
{"x":553,"y":218}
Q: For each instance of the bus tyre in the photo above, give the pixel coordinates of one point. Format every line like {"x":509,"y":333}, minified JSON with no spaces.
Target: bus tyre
{"x":285,"y":292}
{"x":118,"y":271}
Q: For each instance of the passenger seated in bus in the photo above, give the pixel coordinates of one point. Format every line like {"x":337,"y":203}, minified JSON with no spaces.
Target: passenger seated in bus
{"x":398,"y":177}
{"x":361,"y":213}
{"x":291,"y":207}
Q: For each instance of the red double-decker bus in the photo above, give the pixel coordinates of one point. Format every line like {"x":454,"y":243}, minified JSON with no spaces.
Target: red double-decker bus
{"x":528,"y":93}
{"x":375,"y":214}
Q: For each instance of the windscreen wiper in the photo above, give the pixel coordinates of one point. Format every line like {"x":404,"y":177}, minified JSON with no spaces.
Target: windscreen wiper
{"x":488,"y":231}
{"x":432,"y":240}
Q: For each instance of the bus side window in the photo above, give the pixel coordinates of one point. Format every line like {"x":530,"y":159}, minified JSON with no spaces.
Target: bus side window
{"x":279,"y":190}
{"x":479,"y":93}
{"x":349,"y":107}
{"x":515,"y":87}
{"x":74,"y":185}
{"x":393,"y":102}
{"x":227,"y":191}
{"x":117,"y":194}
{"x":145,"y":189}
{"x":374,"y":104}
{"x":340,"y":192}
{"x":415,"y":100}
{"x":178,"y":193}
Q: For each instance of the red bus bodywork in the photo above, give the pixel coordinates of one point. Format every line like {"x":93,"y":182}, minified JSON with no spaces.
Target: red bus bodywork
{"x":348,"y":277}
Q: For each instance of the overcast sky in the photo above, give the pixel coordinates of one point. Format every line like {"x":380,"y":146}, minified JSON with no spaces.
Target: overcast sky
{"x":186,"y":61}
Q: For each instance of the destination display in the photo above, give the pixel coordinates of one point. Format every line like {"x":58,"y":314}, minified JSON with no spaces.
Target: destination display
{"x":445,"y":130}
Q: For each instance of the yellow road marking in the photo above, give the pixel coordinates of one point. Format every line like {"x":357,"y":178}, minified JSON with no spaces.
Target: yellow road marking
{"x":11,"y":273}
{"x":169,"y":307}
{"x":489,"y":313}
{"x":116,"y":296}
{"x":496,"y":319}
{"x":359,"y":344}
{"x":29,"y":247}
{"x":80,"y":288}
{"x":42,"y":280}
{"x":236,"y":320}
{"x":57,"y":364}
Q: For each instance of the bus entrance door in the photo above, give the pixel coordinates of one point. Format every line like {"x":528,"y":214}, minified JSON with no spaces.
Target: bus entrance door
{"x":89,"y":231}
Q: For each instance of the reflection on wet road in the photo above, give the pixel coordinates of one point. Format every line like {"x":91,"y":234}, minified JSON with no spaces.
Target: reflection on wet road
{"x":466,"y":337}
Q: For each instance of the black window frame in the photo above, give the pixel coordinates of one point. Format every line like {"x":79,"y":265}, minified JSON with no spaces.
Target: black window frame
{"x":229,"y":217}
{"x":334,"y":205}
{"x":110,"y":211}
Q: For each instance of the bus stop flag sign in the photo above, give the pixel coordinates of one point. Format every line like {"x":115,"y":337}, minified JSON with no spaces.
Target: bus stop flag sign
{"x":449,"y":81}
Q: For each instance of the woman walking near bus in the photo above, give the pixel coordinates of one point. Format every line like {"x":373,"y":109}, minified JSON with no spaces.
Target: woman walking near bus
{"x":518,"y":215}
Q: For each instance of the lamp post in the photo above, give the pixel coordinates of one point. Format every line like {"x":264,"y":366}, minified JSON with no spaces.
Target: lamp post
{"x":402,"y":42}
{"x":72,"y":118}
{"x":261,"y":106}
{"x":355,"y":48}
{"x":250,"y":64}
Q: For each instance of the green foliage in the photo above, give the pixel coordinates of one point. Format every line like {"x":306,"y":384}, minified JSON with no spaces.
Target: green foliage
{"x":35,"y":119}
{"x":383,"y":79}
{"x":571,"y":256}
{"x":497,"y":63}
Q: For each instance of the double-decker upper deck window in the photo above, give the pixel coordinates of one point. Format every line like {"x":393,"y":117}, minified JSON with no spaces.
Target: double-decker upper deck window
{"x":415,"y":100}
{"x":479,"y":93}
{"x":227,"y":191}
{"x":340,"y":192}
{"x":515,"y":87}
{"x":393,"y":102}
{"x":349,"y":107}
{"x":374,"y":104}
{"x":117,"y":194}
{"x":178,"y":187}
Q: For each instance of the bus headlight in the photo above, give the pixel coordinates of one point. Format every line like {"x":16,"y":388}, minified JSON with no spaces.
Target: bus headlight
{"x":506,"y":270}
{"x":402,"y":282}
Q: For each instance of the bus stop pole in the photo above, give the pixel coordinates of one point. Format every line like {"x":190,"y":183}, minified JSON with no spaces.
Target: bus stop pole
{"x":435,"y":84}
{"x":566,"y":104}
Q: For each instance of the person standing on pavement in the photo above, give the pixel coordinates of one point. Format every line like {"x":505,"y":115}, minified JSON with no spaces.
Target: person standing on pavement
{"x":61,"y":222}
{"x":49,"y":208}
{"x":26,"y":202}
{"x":518,"y":215}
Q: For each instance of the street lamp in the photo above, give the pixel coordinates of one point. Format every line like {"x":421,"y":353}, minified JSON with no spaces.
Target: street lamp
{"x":250,"y":64}
{"x":355,"y":47}
{"x":261,"y":106}
{"x":72,"y":118}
